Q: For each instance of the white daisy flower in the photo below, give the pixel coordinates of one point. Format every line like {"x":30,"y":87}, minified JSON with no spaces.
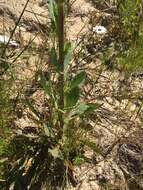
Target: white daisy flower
{"x":4,"y":40}
{"x":99,"y":29}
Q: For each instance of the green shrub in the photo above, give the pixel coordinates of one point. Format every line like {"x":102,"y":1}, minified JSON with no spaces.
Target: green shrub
{"x":132,"y":60}
{"x":129,"y":13}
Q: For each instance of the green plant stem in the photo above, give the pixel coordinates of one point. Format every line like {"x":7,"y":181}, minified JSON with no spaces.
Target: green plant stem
{"x":60,"y":4}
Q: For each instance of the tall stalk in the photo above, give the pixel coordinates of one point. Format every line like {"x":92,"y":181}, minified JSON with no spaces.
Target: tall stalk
{"x":60,"y":25}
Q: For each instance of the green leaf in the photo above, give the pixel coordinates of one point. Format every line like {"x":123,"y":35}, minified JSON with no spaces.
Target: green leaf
{"x":84,"y":108}
{"x":54,"y":60}
{"x":68,"y":54}
{"x":72,"y":97}
{"x":87,"y":109}
{"x":45,"y":84}
{"x":67,"y":46}
{"x":53,"y":14}
{"x":78,"y":79}
{"x":51,"y":8}
{"x":81,"y":108}
{"x":93,"y":106}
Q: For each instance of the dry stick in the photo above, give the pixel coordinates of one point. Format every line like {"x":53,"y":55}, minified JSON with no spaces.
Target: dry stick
{"x":11,"y":62}
{"x":25,"y":48}
{"x":138,"y":111}
{"x":19,"y":19}
{"x":36,"y":16}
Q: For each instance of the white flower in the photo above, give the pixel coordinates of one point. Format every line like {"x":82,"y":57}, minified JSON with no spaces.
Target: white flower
{"x":4,"y":40}
{"x":99,"y":29}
